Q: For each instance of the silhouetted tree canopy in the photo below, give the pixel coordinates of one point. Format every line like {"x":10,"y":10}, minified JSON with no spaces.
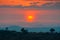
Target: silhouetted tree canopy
{"x":52,"y":30}
{"x":6,"y":28}
{"x":24,"y":31}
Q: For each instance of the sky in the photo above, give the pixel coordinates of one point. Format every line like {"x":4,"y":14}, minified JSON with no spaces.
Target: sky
{"x":43,"y":13}
{"x":27,"y":2}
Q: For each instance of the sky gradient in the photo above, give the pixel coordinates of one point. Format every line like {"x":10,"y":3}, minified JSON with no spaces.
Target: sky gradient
{"x":15,"y":12}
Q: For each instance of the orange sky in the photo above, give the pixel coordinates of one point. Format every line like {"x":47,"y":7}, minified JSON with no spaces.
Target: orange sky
{"x":25,"y":2}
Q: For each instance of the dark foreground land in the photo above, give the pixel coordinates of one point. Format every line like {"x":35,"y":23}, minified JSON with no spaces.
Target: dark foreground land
{"x":25,"y":35}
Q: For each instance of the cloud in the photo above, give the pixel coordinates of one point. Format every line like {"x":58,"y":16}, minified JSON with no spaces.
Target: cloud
{"x":26,"y":2}
{"x":31,"y":4}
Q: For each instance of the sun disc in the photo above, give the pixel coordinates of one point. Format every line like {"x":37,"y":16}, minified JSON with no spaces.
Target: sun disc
{"x":30,"y":18}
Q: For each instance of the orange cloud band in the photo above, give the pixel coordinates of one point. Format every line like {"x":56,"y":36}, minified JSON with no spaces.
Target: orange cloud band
{"x":26,"y":2}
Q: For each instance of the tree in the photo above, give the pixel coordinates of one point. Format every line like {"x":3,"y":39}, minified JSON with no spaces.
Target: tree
{"x":52,"y":30}
{"x":24,"y":31}
{"x":6,"y":28}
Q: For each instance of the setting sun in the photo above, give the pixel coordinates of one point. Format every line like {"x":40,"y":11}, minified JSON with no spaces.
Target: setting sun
{"x":30,"y":18}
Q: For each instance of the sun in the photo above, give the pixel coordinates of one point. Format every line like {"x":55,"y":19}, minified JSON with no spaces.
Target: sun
{"x":30,"y":18}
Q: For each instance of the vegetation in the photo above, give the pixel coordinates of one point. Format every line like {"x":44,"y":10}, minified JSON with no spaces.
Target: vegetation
{"x":25,"y":35}
{"x":52,"y":30}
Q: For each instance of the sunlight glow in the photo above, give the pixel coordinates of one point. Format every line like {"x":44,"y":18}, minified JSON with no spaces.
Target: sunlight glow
{"x":30,"y":18}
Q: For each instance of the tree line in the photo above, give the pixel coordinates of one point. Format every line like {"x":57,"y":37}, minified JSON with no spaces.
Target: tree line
{"x":25,"y":35}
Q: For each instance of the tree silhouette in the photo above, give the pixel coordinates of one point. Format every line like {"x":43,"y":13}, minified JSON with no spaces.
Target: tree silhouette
{"x":52,"y":30}
{"x":24,"y":31}
{"x":6,"y":28}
